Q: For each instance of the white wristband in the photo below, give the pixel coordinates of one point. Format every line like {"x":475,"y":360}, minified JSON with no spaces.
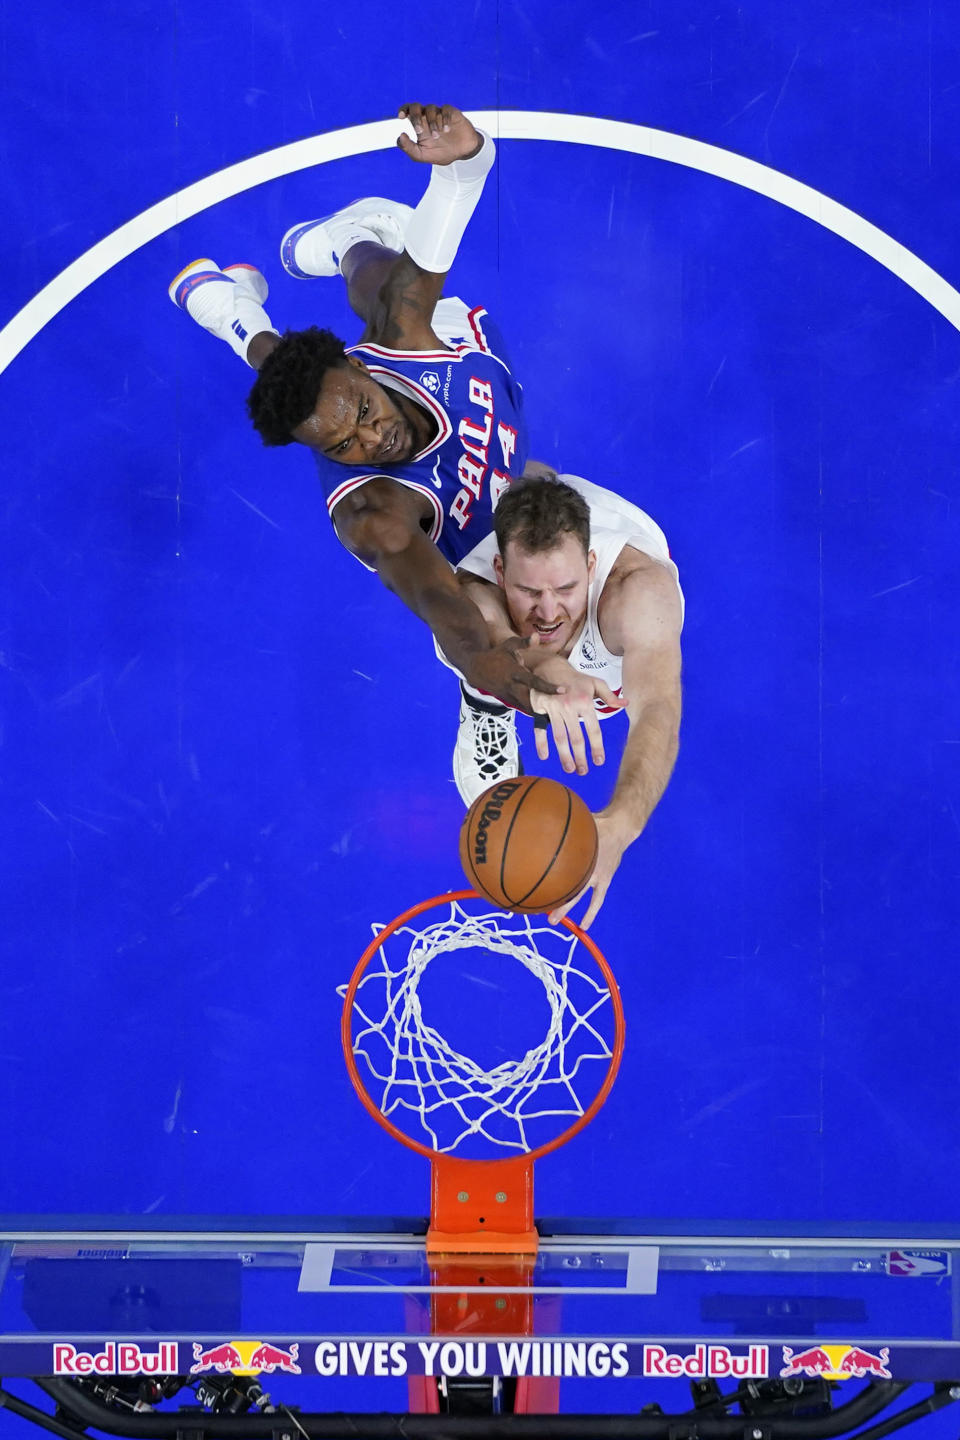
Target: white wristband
{"x":436,"y":227}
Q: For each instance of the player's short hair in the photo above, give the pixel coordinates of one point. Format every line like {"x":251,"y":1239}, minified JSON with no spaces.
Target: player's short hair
{"x":286,"y":389}
{"x":536,"y":514}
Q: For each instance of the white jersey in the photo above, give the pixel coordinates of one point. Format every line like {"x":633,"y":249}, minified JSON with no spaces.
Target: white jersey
{"x":614,"y":524}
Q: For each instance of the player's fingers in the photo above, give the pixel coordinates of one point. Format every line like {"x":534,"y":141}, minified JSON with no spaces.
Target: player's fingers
{"x":541,"y":724}
{"x":596,"y":900}
{"x":595,"y":735}
{"x":577,"y":745}
{"x":519,"y":691}
{"x":559,"y":733}
{"x":556,"y":916}
{"x":447,"y":116}
{"x":414,"y":113}
{"x":604,"y":693}
{"x":432,"y":119}
{"x":519,"y":648}
{"x":533,"y":681}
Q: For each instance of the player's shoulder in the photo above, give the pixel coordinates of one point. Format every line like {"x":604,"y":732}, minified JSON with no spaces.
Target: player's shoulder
{"x":637,"y":568}
{"x":485,"y":593}
{"x":455,"y":328}
{"x":640,"y":597}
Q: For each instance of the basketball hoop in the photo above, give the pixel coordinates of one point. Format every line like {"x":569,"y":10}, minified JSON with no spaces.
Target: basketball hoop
{"x":405,"y":1070}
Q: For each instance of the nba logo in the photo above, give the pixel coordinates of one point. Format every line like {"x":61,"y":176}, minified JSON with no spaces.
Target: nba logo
{"x":430,"y":380}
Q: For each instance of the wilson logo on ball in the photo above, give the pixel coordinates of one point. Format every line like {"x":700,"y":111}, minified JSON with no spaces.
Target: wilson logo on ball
{"x":492,"y":810}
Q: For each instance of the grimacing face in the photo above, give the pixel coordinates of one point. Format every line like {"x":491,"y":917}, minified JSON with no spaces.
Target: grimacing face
{"x":546,"y":591}
{"x":356,"y":421}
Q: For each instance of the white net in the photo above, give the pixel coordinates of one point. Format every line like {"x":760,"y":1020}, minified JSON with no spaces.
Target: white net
{"x":418,"y":1079}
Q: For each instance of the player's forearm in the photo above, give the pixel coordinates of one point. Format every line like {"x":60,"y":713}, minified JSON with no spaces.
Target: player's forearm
{"x":458,"y":626}
{"x":645,"y":769}
{"x":397,"y":294}
{"x":413,"y":282}
{"x":427,"y":586}
{"x":438,"y":223}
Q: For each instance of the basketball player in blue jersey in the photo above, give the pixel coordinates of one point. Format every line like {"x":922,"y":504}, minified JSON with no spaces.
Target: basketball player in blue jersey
{"x":418,"y":429}
{"x":587,"y":577}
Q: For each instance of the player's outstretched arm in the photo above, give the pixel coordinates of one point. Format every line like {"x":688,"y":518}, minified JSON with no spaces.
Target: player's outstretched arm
{"x":396,"y":295}
{"x":642,"y":620}
{"x":381,"y":523}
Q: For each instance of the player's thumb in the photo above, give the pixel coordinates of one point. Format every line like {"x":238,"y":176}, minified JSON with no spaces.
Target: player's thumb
{"x":604,"y":693}
{"x":408,"y":146}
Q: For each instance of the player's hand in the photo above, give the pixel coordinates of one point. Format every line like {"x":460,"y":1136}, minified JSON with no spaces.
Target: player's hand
{"x":571,"y":712}
{"x":503,"y":671}
{"x":613,"y":841}
{"x":441,"y":134}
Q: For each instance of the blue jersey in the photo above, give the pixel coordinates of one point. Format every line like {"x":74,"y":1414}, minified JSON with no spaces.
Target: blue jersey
{"x":481,"y":440}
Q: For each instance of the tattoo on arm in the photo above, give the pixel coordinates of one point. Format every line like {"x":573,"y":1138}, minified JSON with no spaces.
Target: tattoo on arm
{"x":408,"y":300}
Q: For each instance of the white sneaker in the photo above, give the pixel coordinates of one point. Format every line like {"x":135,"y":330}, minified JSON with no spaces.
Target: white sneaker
{"x":486,"y":749}
{"x":316,"y":247}
{"x":227,"y":302}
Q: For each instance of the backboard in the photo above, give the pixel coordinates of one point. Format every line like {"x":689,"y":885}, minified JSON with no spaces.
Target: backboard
{"x":774,"y":1326}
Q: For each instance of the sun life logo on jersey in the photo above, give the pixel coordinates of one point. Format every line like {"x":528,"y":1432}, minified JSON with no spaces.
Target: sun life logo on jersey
{"x":588,"y":651}
{"x":430,"y":380}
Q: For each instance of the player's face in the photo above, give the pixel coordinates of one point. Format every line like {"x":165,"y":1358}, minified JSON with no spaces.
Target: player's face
{"x":356,"y":421}
{"x":546,"y":592}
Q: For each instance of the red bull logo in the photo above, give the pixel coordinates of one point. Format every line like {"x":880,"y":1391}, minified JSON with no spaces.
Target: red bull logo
{"x":712,"y":1362}
{"x":836,"y":1362}
{"x":118,"y":1357}
{"x":245,"y":1357}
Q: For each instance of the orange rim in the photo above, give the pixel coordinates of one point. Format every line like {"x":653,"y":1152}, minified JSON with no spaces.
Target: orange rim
{"x":346,"y":1035}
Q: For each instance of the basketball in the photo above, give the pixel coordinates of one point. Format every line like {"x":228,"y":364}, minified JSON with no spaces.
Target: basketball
{"x":528,"y":844}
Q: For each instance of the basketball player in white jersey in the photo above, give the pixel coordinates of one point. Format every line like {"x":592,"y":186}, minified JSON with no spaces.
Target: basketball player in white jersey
{"x":587,"y":578}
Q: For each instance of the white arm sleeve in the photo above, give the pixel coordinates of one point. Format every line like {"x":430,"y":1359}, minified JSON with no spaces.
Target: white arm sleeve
{"x":436,"y":227}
